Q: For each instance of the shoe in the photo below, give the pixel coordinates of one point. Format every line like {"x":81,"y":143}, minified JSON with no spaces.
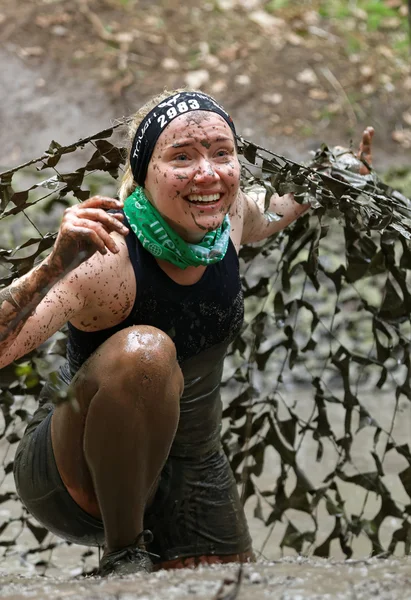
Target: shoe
{"x":128,"y":560}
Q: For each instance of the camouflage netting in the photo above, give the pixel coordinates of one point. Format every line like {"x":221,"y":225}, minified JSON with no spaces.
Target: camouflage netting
{"x":317,"y":386}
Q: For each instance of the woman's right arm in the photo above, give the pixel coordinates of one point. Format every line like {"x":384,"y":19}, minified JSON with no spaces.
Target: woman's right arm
{"x":37,"y":304}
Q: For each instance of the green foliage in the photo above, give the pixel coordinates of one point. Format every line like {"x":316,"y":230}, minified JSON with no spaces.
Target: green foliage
{"x":378,"y":12}
{"x":354,"y":43}
{"x":274,"y":5}
{"x":127,"y":3}
{"x":358,"y":23}
{"x":400,"y":179}
{"x":334,"y":8}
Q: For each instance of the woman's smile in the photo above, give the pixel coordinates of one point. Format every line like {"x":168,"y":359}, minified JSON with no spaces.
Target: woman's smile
{"x":206,"y":201}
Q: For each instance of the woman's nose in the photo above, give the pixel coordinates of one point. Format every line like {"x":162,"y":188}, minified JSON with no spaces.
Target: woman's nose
{"x":206,"y":171}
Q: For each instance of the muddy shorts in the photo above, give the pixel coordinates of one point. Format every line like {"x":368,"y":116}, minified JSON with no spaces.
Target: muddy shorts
{"x":196,"y":510}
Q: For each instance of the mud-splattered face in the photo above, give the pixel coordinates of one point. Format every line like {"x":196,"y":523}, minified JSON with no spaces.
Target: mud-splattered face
{"x":194,"y":174}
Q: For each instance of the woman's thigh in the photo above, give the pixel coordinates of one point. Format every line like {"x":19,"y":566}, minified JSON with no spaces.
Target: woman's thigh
{"x":196,"y":510}
{"x":41,"y":488}
{"x":128,"y":375}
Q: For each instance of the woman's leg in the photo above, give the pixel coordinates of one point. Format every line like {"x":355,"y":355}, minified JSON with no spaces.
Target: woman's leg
{"x":197,"y":516}
{"x":110,"y":451}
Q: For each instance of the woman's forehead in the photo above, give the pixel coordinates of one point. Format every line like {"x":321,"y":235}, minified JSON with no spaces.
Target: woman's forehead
{"x":196,"y":124}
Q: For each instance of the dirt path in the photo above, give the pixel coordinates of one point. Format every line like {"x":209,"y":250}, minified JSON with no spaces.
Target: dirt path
{"x":291,"y":78}
{"x":42,"y":102}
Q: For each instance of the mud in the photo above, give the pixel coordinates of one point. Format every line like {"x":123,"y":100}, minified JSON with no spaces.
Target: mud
{"x":287,"y":579}
{"x":40,"y":105}
{"x":44,"y":103}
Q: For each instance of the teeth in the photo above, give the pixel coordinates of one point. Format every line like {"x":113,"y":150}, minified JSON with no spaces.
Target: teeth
{"x":198,"y":198}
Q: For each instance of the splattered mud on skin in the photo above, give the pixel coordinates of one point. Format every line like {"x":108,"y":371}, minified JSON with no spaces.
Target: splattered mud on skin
{"x":200,"y":226}
{"x":107,"y":310}
{"x":194,"y":135}
{"x":27,"y":294}
{"x":198,"y":116}
{"x":68,"y":252}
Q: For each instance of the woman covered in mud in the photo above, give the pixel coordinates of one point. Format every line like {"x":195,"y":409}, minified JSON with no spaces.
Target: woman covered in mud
{"x":149,"y":285}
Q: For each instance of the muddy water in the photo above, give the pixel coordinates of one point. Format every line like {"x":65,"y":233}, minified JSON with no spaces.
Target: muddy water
{"x":382,"y":408}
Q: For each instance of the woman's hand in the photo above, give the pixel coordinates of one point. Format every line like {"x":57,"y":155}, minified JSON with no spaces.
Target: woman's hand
{"x":85,"y":229}
{"x":364,"y":153}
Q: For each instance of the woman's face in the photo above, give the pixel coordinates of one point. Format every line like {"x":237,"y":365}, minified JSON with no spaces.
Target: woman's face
{"x":193,"y":175}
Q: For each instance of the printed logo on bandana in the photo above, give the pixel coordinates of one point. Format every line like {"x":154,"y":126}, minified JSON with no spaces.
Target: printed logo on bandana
{"x":154,"y":249}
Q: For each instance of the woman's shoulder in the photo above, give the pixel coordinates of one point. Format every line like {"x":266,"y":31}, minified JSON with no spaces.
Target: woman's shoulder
{"x":108,"y":286}
{"x":238,"y":212}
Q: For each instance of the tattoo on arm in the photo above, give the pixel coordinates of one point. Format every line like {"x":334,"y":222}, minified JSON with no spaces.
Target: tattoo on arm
{"x":19,"y":300}
{"x":6,"y":295}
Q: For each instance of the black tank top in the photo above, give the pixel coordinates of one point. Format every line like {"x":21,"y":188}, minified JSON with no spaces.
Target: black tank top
{"x":202,"y":319}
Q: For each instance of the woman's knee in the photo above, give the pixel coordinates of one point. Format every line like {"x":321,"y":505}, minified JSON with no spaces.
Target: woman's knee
{"x":136,"y":356}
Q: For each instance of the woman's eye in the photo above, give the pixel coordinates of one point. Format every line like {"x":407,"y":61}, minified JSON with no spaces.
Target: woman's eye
{"x":222,"y":153}
{"x":181,"y":157}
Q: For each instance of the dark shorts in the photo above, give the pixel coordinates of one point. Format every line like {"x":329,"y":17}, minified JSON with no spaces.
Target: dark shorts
{"x":196,"y":510}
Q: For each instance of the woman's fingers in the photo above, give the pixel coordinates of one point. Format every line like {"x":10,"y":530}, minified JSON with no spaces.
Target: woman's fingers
{"x":93,"y":224}
{"x":365,"y":150}
{"x":94,"y":235}
{"x":86,"y":228}
{"x":102,"y":202}
{"x":113,"y":222}
{"x":87,"y":241}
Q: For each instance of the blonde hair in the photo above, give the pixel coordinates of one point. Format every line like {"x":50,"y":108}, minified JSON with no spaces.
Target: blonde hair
{"x":128,"y":185}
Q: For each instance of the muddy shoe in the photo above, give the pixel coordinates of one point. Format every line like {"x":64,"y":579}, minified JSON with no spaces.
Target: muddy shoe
{"x":128,"y":560}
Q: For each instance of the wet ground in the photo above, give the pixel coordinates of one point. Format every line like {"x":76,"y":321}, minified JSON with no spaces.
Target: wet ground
{"x":288,"y":579}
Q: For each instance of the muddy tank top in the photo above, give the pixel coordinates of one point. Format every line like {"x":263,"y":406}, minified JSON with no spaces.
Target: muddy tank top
{"x":202,"y":319}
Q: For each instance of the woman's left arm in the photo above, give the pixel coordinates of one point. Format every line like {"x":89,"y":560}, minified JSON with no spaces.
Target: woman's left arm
{"x":258,"y":224}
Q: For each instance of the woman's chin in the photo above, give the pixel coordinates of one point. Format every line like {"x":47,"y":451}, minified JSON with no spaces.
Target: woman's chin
{"x":197,"y":229}
{"x":206,"y":223}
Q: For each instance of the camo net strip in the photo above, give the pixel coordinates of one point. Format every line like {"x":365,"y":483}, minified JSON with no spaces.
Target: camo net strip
{"x":316,"y":388}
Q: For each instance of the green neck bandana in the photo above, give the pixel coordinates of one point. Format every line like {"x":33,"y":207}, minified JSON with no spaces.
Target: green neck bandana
{"x":163,"y":242}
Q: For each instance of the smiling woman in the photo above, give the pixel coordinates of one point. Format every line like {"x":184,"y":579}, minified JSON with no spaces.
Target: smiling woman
{"x":150,"y":288}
